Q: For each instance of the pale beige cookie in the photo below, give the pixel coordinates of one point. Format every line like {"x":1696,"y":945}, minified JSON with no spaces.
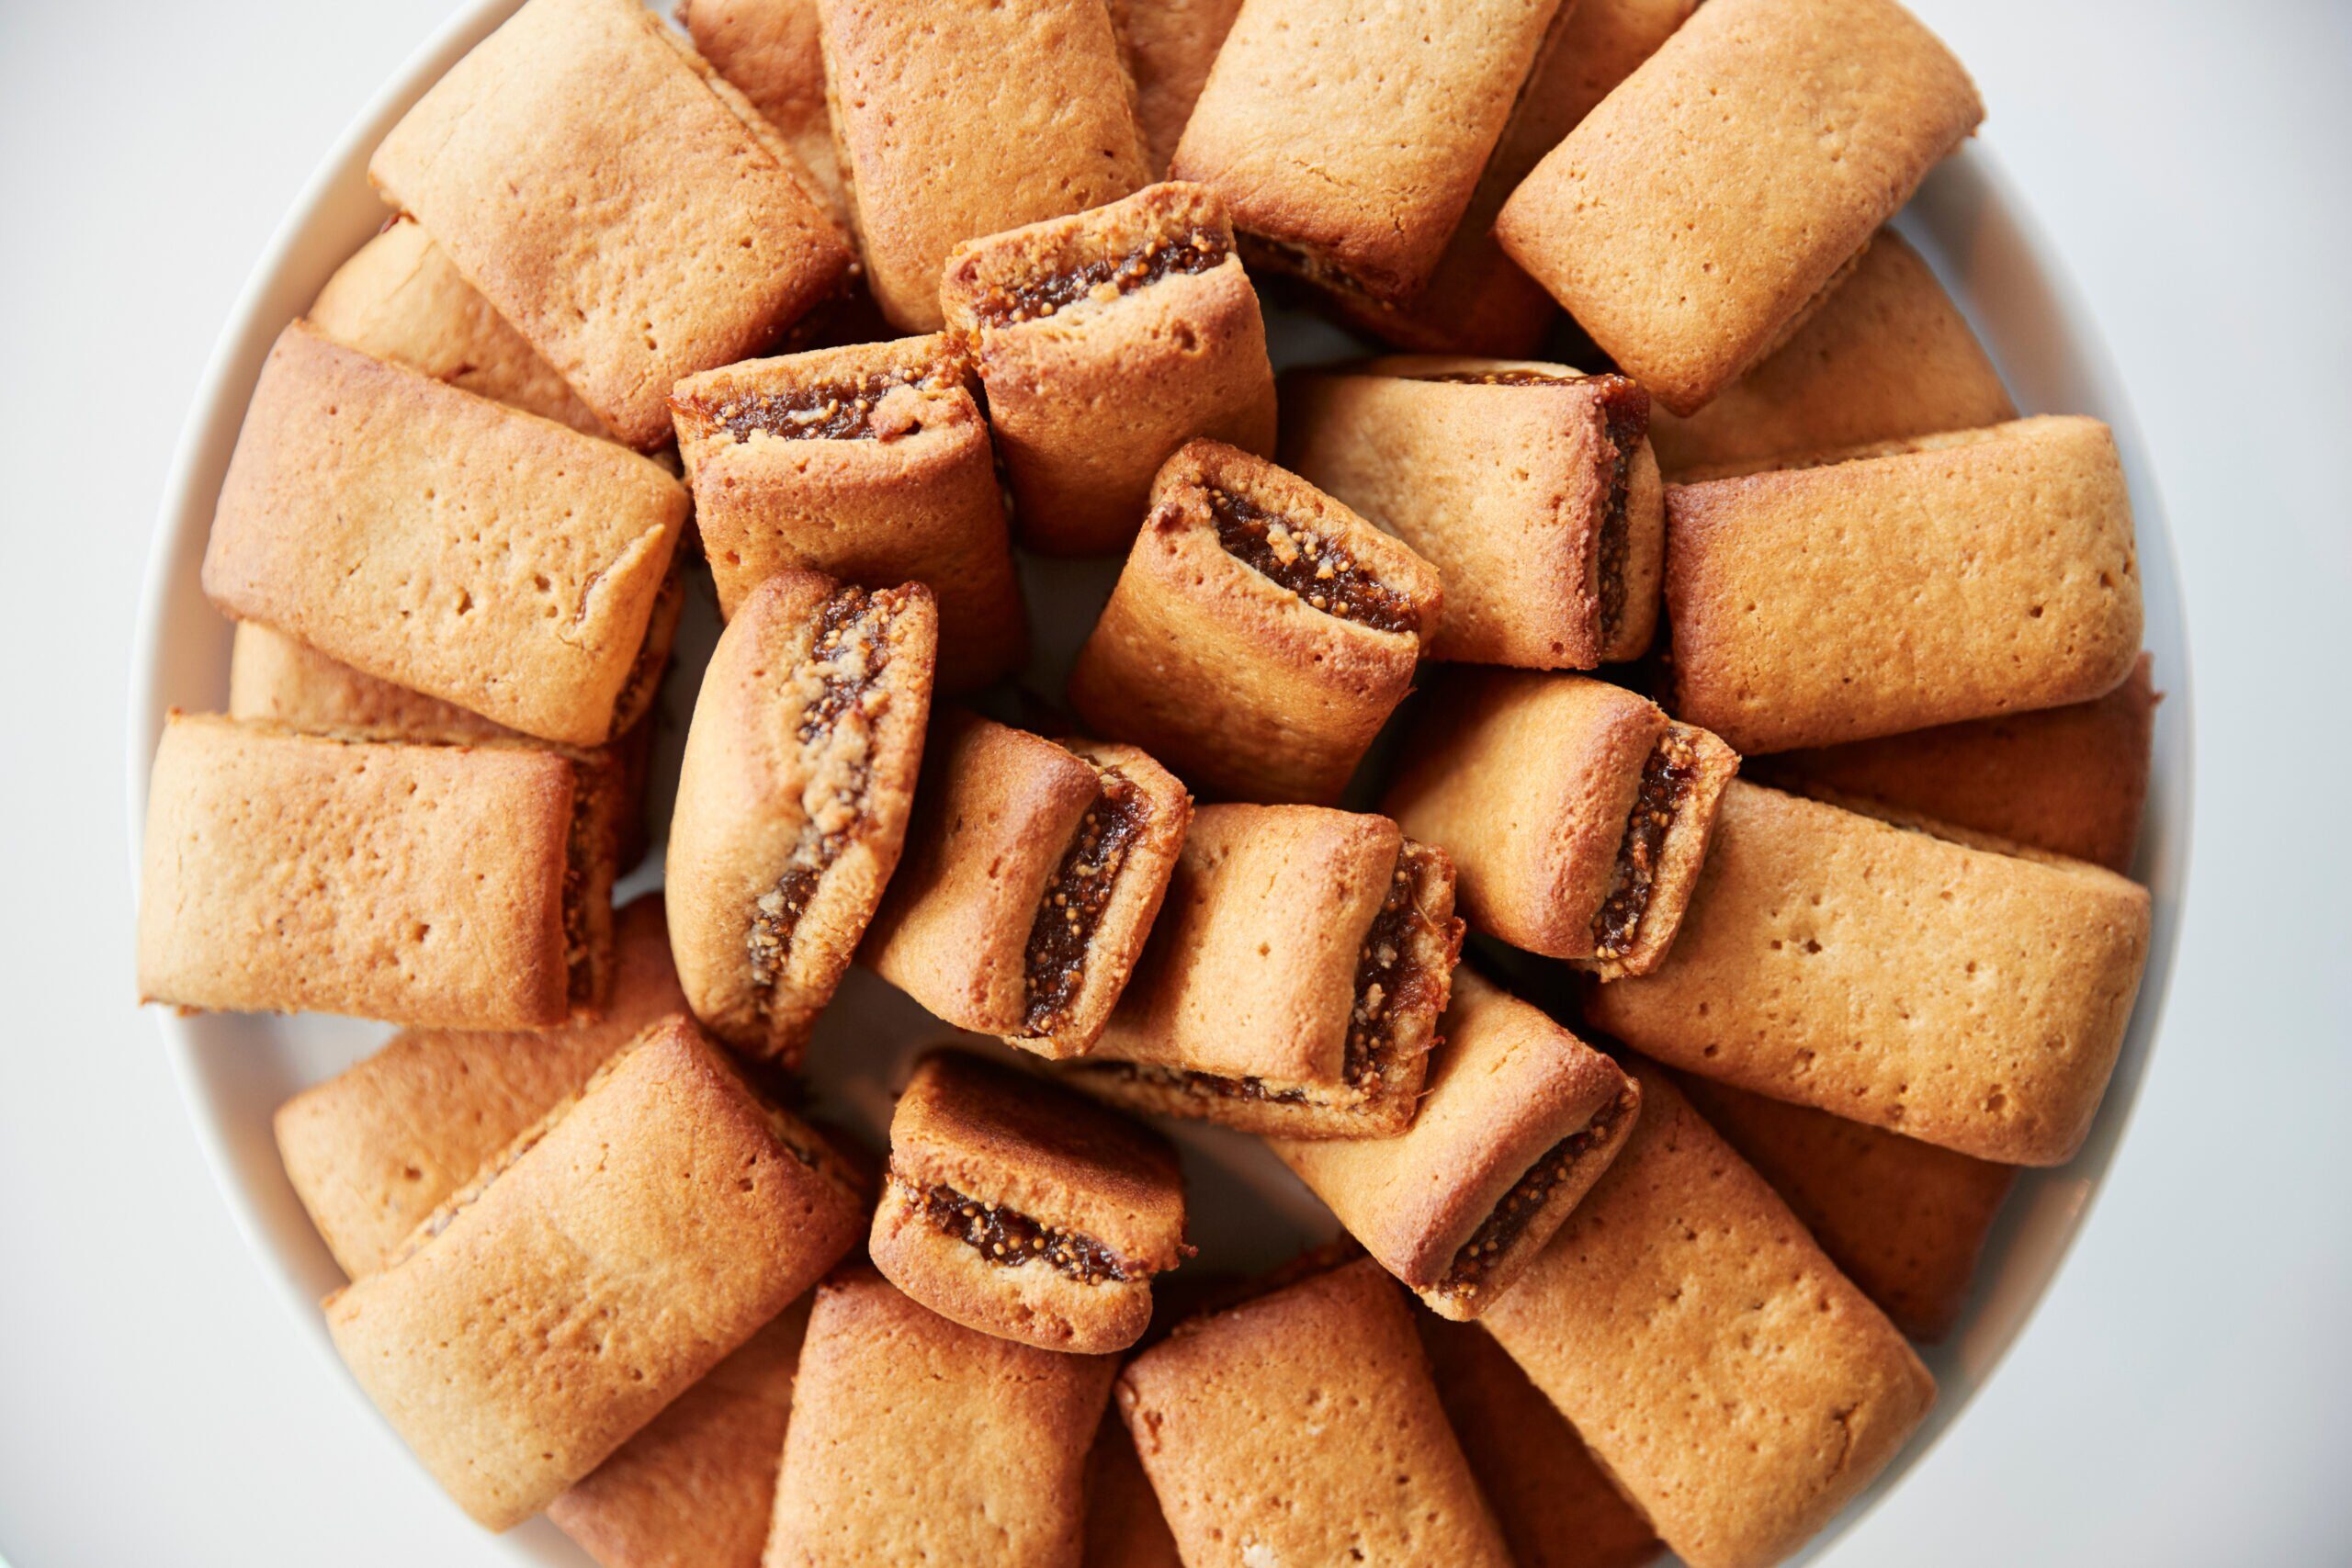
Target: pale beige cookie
{"x":1518,"y":1120}
{"x":793,"y":800}
{"x":1736,"y":1387}
{"x":915,"y":1440}
{"x":593,"y":1272}
{"x":961,"y":117}
{"x":1945,"y":986}
{"x":771,"y":50}
{"x":1691,"y":220}
{"x":1953,"y":577}
{"x":1302,"y":1427}
{"x":1107,"y":340}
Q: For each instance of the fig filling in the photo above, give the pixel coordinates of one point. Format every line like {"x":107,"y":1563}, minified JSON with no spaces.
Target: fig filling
{"x":584,"y":841}
{"x":1010,"y":1238}
{"x":1667,"y":774}
{"x":1296,"y":558}
{"x":1076,"y":896}
{"x":841,"y":686}
{"x":1510,"y":1218}
{"x":839,"y":410}
{"x":1104,"y":277}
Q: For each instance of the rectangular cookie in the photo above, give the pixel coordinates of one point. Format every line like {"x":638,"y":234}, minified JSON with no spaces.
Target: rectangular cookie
{"x":793,"y":800}
{"x":1293,"y":983}
{"x":593,"y":1272}
{"x":1518,"y":1119}
{"x":1347,"y":139}
{"x":696,"y":1486}
{"x":1302,"y":1427}
{"x":915,"y":1440}
{"x":376,"y":1148}
{"x":437,"y":886}
{"x":958,"y":117}
{"x":1736,"y":1385}
{"x":1938,"y":984}
{"x":1018,"y":1208}
{"x":1905,"y":1219}
{"x":1107,"y":340}
{"x":1530,"y":488}
{"x":1576,"y":814}
{"x":1477,"y":301}
{"x":1032,"y":871}
{"x":441,"y":541}
{"x":771,"y":50}
{"x":625,"y":208}
{"x":2071,"y":779}
{"x":1692,"y":220}
{"x":1556,"y":1507}
{"x":1259,"y":633}
{"x":1953,"y":577}
{"x":1887,"y":356}
{"x":870,"y":463}
{"x":400,"y":297}
{"x":1169,"y":46}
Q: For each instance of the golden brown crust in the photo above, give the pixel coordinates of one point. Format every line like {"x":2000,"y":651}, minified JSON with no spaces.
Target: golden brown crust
{"x":1736,"y":1386}
{"x":1505,"y":1092}
{"x":1240,"y":683}
{"x":376,"y":1148}
{"x":938,"y":151}
{"x":772,"y":51}
{"x":628,"y":1244}
{"x":441,"y":541}
{"x":1974,"y":573}
{"x":1123,"y":1526}
{"x":667,"y":227}
{"x":908,"y":493}
{"x":1169,"y":46}
{"x":1947,"y":990}
{"x":1692,"y":220}
{"x":1089,"y":397}
{"x":1218,"y":1409}
{"x":916,"y":1439}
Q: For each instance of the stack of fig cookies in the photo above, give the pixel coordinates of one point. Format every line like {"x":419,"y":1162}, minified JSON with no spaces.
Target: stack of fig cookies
{"x":1676,"y":606}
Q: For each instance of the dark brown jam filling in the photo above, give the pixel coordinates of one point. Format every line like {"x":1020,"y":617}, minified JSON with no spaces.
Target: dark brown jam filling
{"x":1247,"y":1088}
{"x":583,"y":840}
{"x":1161,"y":256}
{"x":1515,"y":378}
{"x":1296,"y":558}
{"x":1382,"y":979}
{"x":1668,"y":774}
{"x":1626,"y":420}
{"x":1076,"y":896}
{"x":849,"y":656}
{"x":1509,"y":1219}
{"x":832,"y":411}
{"x":1011,"y":1238}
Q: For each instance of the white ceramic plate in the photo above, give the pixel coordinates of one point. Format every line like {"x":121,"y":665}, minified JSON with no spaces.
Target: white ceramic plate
{"x":1247,"y":1212}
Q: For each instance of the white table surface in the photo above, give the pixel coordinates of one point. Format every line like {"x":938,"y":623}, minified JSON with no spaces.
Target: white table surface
{"x":2185,"y":1395}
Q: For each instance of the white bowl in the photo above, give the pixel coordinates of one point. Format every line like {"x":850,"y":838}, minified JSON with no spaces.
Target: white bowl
{"x":236,"y":1069}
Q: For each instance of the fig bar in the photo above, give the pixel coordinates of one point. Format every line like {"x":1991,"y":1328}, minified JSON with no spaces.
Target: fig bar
{"x":771,"y":50}
{"x":793,"y":800}
{"x":1575,"y":813}
{"x":1530,"y":488}
{"x":1024,"y":1211}
{"x":441,"y":541}
{"x":915,"y":1440}
{"x":1947,"y":987}
{"x":1259,"y":633}
{"x":1347,"y":139}
{"x":956,"y":119}
{"x":1106,"y":341}
{"x":1737,"y":1388}
{"x":1032,"y":871}
{"x":869,"y":463}
{"x":1293,"y":983}
{"x":376,"y":1148}
{"x":1692,"y":219}
{"x":1169,"y":46}
{"x":1518,"y":1119}
{"x":1302,"y":1427}
{"x":1887,"y":356}
{"x":453,"y":886}
{"x":1953,"y":577}
{"x":630,"y":213}
{"x":593,"y":1272}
